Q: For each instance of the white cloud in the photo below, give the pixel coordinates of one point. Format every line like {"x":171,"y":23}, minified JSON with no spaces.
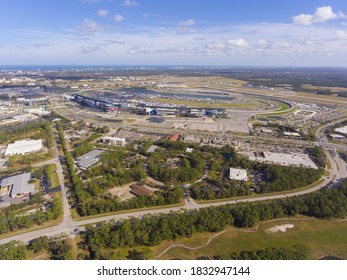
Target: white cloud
{"x":187,"y":23}
{"x":130,"y":3}
{"x":88,"y":49}
{"x":238,"y":43}
{"x":118,"y":17}
{"x":262,"y":42}
{"x":322,"y":14}
{"x":341,"y":34}
{"x":102,"y":13}
{"x":89,"y":27}
{"x":185,"y":26}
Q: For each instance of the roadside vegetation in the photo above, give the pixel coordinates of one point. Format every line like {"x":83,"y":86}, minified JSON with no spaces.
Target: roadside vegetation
{"x":30,"y":213}
{"x":151,"y":230}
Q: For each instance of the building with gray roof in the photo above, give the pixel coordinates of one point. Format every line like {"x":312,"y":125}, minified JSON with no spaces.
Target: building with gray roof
{"x":18,"y":185}
{"x":89,"y":159}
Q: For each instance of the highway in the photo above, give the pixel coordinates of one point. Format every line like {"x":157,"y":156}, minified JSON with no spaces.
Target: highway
{"x":67,"y":226}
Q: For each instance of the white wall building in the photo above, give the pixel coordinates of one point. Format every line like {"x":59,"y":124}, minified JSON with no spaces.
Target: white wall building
{"x":238,"y":174}
{"x":23,"y":147}
{"x":114,"y":141}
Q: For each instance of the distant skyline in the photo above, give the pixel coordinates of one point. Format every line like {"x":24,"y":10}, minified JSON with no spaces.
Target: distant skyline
{"x":174,"y":32}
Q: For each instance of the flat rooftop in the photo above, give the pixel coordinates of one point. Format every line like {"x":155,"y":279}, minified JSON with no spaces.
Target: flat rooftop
{"x":342,"y":129}
{"x":19,"y":184}
{"x":23,"y":147}
{"x":89,"y":159}
{"x":152,"y":148}
{"x":283,"y":159}
{"x":238,"y":174}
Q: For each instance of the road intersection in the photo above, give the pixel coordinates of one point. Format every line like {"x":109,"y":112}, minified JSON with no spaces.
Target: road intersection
{"x":68,"y":225}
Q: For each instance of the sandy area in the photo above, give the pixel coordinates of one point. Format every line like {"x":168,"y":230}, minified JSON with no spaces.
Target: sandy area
{"x":123,"y":192}
{"x":281,"y":228}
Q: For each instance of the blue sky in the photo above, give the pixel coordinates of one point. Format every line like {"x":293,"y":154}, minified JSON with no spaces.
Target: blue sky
{"x":174,"y":32}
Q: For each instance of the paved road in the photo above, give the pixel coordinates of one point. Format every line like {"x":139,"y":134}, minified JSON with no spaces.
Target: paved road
{"x":68,"y":225}
{"x":337,"y":171}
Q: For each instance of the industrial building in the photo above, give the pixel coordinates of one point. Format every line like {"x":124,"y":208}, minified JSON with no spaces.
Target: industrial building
{"x":114,"y":141}
{"x":89,"y":159}
{"x":18,"y":185}
{"x":283,"y":159}
{"x":238,"y":174}
{"x":23,"y":147}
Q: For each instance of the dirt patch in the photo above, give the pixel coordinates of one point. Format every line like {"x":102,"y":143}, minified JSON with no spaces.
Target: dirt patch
{"x":123,"y":192}
{"x":281,"y":228}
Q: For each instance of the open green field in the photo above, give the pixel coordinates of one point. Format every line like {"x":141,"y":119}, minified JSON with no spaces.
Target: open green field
{"x":54,"y":180}
{"x":199,"y":104}
{"x":332,"y":89}
{"x":324,"y":237}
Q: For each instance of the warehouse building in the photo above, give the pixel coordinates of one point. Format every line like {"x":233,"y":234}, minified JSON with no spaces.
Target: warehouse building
{"x":89,"y":159}
{"x":18,"y":185}
{"x":23,"y":147}
{"x":283,"y":159}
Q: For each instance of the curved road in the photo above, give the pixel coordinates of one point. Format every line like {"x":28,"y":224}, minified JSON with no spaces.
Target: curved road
{"x":67,"y":226}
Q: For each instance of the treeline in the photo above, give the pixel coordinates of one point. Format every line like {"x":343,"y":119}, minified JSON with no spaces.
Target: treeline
{"x":296,"y":252}
{"x":318,"y":156}
{"x":190,"y":168}
{"x":205,"y":191}
{"x":151,"y":230}
{"x":279,"y":178}
{"x":110,"y":203}
{"x":90,"y":197}
{"x":14,"y":133}
{"x":74,"y":182}
{"x":83,"y":148}
{"x":12,"y":220}
{"x":14,"y":250}
{"x":58,"y":248}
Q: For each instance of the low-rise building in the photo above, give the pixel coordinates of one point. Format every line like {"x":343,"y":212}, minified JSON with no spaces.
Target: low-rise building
{"x":89,"y":159}
{"x":140,"y":190}
{"x":283,"y":159}
{"x":18,"y":185}
{"x":238,"y":174}
{"x":152,"y":149}
{"x":114,"y":141}
{"x":23,"y":147}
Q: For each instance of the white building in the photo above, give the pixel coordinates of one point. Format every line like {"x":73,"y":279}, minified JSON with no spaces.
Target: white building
{"x":283,"y":159}
{"x":238,"y":174}
{"x":342,"y":130}
{"x":114,"y":141}
{"x":23,"y":147}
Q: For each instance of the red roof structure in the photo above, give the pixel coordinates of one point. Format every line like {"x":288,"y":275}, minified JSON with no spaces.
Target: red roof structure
{"x":174,"y":137}
{"x":140,"y":190}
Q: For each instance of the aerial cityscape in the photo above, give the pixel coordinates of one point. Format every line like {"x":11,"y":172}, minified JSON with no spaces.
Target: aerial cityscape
{"x":132,"y":130}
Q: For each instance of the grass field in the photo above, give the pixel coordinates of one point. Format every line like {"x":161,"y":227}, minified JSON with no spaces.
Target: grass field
{"x":54,"y":180}
{"x":332,"y":89}
{"x":199,"y":104}
{"x":324,"y":237}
